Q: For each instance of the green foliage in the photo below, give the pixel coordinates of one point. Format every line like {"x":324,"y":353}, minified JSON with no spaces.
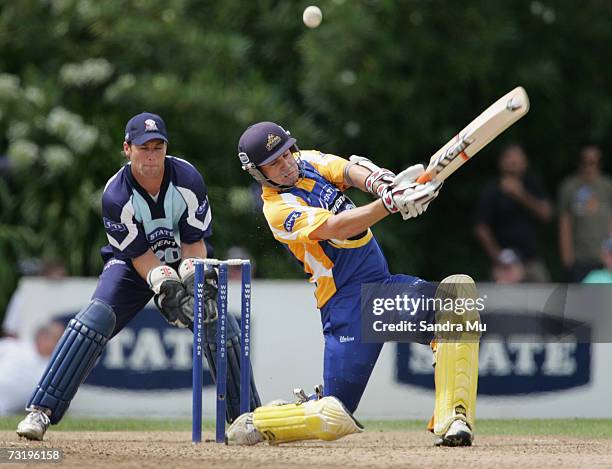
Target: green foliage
{"x":389,"y":79}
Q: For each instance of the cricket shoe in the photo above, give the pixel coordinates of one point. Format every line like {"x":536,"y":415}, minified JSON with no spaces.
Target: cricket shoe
{"x":458,"y":434}
{"x":242,"y":432}
{"x":34,"y":426}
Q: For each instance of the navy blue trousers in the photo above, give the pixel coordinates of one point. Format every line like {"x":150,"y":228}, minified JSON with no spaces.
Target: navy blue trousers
{"x":348,"y":362}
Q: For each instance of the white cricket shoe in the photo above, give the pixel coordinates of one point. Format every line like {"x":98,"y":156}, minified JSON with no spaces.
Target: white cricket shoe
{"x":34,"y":426}
{"x":243,"y":432}
{"x":458,"y":434}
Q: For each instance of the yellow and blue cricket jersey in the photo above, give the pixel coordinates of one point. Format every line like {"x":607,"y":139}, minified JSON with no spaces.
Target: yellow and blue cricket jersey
{"x":294,"y":213}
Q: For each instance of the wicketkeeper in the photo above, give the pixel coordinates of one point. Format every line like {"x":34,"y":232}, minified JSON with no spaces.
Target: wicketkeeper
{"x":308,"y":212}
{"x":156,"y":216}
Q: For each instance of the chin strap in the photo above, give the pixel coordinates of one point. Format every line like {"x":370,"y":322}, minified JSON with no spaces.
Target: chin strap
{"x":255,"y":172}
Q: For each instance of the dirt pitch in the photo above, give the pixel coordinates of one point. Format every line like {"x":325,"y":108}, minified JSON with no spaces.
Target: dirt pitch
{"x":372,"y":449}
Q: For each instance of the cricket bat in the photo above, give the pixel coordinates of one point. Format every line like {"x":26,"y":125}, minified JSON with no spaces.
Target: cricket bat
{"x":493,"y":121}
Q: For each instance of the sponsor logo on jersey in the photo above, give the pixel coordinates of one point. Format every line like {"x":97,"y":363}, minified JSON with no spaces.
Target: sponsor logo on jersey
{"x":345,"y":338}
{"x":160,"y":233}
{"x":290,"y":221}
{"x":341,"y":204}
{"x":201,"y":210}
{"x":150,"y":125}
{"x":112,"y":262}
{"x":334,"y":200}
{"x":110,"y":225}
{"x":273,"y":140}
{"x":328,"y":194}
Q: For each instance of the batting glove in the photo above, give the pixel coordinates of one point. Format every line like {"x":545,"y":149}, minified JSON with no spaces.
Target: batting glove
{"x":409,"y":197}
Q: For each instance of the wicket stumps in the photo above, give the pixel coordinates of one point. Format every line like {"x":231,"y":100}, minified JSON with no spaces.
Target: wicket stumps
{"x":198,"y":338}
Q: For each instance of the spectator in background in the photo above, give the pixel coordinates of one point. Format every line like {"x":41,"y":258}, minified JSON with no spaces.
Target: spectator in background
{"x":508,"y":268}
{"x":21,"y":364}
{"x":51,"y":269}
{"x":585,"y":206}
{"x":602,"y":275}
{"x":510,"y":211}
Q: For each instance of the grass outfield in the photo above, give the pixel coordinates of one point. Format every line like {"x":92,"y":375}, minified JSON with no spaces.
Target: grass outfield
{"x":579,"y":428}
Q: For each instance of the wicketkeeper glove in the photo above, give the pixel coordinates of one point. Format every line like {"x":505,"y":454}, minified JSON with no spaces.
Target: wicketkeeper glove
{"x":209,"y":296}
{"x":187,"y":273}
{"x":171,"y":296}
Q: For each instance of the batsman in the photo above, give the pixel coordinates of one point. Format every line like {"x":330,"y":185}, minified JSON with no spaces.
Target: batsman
{"x":308,"y":212}
{"x":157,"y":220}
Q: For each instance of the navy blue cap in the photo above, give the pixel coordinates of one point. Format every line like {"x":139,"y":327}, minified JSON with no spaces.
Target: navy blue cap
{"x":508,"y":257}
{"x":144,"y":127}
{"x":264,"y":142}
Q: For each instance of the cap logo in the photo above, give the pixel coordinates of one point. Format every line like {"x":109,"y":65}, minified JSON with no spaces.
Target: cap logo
{"x":127,"y":137}
{"x":273,"y":140}
{"x":150,"y":125}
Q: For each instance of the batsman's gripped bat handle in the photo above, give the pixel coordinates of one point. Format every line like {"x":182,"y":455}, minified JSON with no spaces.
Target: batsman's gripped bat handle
{"x":423,"y":178}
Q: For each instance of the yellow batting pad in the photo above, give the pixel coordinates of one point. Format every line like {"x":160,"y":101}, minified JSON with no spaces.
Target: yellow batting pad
{"x":458,"y":290}
{"x":456,"y":379}
{"x":456,"y":361}
{"x":325,"y":419}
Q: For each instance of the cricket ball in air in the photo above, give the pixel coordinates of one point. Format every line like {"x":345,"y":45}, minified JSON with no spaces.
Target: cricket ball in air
{"x":312,"y":16}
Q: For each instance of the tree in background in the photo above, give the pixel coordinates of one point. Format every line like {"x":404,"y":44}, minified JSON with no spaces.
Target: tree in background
{"x":388,"y":79}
